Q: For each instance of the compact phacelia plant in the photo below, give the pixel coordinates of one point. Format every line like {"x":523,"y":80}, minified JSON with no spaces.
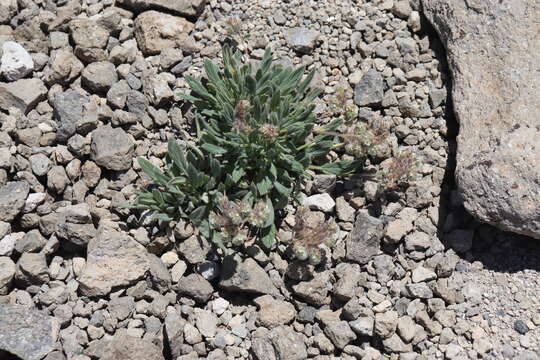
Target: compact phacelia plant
{"x":255,"y":144}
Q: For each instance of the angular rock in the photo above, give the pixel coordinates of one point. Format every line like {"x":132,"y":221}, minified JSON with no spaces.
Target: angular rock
{"x":363,"y":242}
{"x":125,"y":347}
{"x":288,"y":345}
{"x":99,"y":76}
{"x":28,"y":334}
{"x":8,"y":9}
{"x":16,"y":62}
{"x":63,"y":67}
{"x":315,"y":291}
{"x":68,"y":110}
{"x":23,"y":94}
{"x":370,"y":90}
{"x":7,"y":272}
{"x":180,"y":7}
{"x":274,"y":312}
{"x":12,"y":199}
{"x":196,"y":287}
{"x":245,"y":276}
{"x":495,"y":94}
{"x":88,"y":33}
{"x":32,"y":269}
{"x":157,"y":31}
{"x":111,"y":148}
{"x":113,"y":259}
{"x":340,"y":333}
{"x":322,"y":202}
{"x":302,"y":39}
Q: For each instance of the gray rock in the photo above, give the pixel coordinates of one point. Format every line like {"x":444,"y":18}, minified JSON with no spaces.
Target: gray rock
{"x":32,"y":241}
{"x":57,"y":179}
{"x":32,"y":269}
{"x":274,"y":312}
{"x":156,"y":31}
{"x":12,"y":199}
{"x":194,"y":249}
{"x":174,"y":331}
{"x":7,"y":272}
{"x":88,"y":33}
{"x":8,"y":9}
{"x":29,"y":334}
{"x":302,"y":39}
{"x":340,"y":333}
{"x":68,"y":110}
{"x":206,"y":322}
{"x":322,"y":202}
{"x":498,"y":155}
{"x":370,"y":90}
{"x":288,"y":345}
{"x":23,"y":94}
{"x":117,"y":94}
{"x":16,"y":63}
{"x":315,"y":291}
{"x":74,"y":340}
{"x":113,"y":259}
{"x":324,"y":183}
{"x":112,"y":148}
{"x":121,"y":307}
{"x":63,"y":68}
{"x":196,"y":287}
{"x":363,"y":242}
{"x":160,"y":277}
{"x":180,"y":7}
{"x":245,"y":276}
{"x":363,"y":326}
{"x":385,"y":324}
{"x":419,"y":291}
{"x":99,"y":76}
{"x":125,"y":347}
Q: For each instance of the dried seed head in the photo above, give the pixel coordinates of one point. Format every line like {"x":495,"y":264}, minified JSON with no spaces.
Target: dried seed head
{"x":240,"y":112}
{"x":269,"y":131}
{"x":314,"y":257}
{"x":300,"y":252}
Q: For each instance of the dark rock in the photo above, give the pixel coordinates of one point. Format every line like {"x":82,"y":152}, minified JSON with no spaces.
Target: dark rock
{"x":364,"y":240}
{"x":29,"y":334}
{"x":68,"y":110}
{"x":370,"y":90}
{"x":521,"y":327}
{"x":12,"y":199}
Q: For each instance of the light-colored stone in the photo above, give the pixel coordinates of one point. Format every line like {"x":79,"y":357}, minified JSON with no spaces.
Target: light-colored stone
{"x":495,"y":95}
{"x":16,"y":62}
{"x":157,"y":31}
{"x":23,"y":94}
{"x":114,"y":259}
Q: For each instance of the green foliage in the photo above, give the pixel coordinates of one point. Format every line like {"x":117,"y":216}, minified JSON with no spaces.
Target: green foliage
{"x":253,"y":127}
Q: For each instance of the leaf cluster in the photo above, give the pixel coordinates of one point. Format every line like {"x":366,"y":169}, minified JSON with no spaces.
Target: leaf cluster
{"x":255,"y":143}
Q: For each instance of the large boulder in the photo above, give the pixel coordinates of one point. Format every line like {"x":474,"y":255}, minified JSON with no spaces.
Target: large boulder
{"x":29,"y":334}
{"x":492,"y":48}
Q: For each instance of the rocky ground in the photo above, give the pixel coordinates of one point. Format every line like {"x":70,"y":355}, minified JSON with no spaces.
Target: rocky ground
{"x":87,"y":87}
